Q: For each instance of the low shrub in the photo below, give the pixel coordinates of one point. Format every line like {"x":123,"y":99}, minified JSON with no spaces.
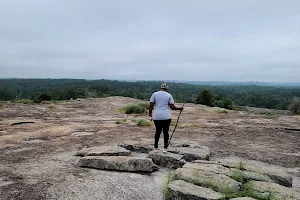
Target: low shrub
{"x":271,"y":113}
{"x":135,"y":109}
{"x":143,"y":122}
{"x":222,"y":111}
{"x":295,"y":106}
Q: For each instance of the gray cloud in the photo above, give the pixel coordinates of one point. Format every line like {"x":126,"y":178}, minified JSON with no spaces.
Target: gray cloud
{"x":185,"y":40}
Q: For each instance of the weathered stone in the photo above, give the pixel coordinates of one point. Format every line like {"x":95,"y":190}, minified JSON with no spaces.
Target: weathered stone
{"x":248,"y":175}
{"x":181,"y":190}
{"x":82,"y":133}
{"x":103,"y":151}
{"x":277,"y":174}
{"x":243,"y":198}
{"x":190,"y":154}
{"x":118,"y":163}
{"x":218,"y":169}
{"x":205,"y":162}
{"x":137,"y":146}
{"x":279,"y":190}
{"x":167,"y":159}
{"x":184,"y":143}
{"x":216,"y":181}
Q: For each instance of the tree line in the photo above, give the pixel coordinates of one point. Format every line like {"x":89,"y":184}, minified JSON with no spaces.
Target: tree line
{"x":223,"y":96}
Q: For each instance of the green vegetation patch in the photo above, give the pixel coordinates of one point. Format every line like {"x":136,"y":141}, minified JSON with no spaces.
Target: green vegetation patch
{"x":222,"y":111}
{"x":1,"y":106}
{"x":246,"y":190}
{"x":51,"y":107}
{"x":167,"y":194}
{"x":140,"y":108}
{"x":295,"y":106}
{"x":271,"y":113}
{"x":241,"y":166}
{"x":25,"y":101}
{"x":143,"y":122}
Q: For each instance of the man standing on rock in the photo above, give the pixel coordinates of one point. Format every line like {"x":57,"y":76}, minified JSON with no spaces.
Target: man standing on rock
{"x":162,"y":115}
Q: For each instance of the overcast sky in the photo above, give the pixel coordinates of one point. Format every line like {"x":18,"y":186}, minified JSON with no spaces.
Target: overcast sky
{"x":232,"y":40}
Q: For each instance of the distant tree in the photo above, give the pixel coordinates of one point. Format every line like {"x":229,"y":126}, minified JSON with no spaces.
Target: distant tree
{"x":295,"y":106}
{"x":205,"y":97}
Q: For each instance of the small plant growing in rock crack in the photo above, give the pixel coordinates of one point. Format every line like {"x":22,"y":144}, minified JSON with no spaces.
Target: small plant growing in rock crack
{"x":238,"y":176}
{"x":241,"y":166}
{"x":167,"y":193}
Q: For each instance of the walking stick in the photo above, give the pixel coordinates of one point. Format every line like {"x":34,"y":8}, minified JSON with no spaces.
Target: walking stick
{"x":169,"y":142}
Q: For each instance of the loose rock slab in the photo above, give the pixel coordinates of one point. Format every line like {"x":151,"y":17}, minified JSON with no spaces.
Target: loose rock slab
{"x":103,"y":151}
{"x":167,"y":159}
{"x":219,"y":181}
{"x":279,"y":190}
{"x":218,"y":169}
{"x":118,"y":163}
{"x":144,"y":146}
{"x":182,"y":190}
{"x":277,"y":174}
{"x":190,"y":154}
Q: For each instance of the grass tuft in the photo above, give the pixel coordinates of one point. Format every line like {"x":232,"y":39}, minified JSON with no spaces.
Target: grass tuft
{"x":1,"y":106}
{"x":241,"y":166}
{"x":51,"y":107}
{"x":238,"y":176}
{"x":143,"y":122}
{"x":120,"y":121}
{"x":271,"y":113}
{"x":222,"y":111}
{"x":25,"y":101}
{"x":167,"y":194}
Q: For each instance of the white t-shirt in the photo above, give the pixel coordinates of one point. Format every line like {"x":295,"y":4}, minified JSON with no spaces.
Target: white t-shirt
{"x":162,"y":100}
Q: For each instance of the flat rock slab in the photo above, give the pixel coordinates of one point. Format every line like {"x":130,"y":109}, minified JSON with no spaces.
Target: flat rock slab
{"x":167,"y":159}
{"x":192,"y":153}
{"x":279,"y":190}
{"x":217,"y":181}
{"x":144,"y":146}
{"x":181,"y":190}
{"x":82,"y":133}
{"x":277,"y":174}
{"x":118,"y":163}
{"x":103,"y":151}
{"x":217,"y":169}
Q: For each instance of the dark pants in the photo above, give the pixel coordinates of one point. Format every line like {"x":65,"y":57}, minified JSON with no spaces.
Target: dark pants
{"x":162,"y":125}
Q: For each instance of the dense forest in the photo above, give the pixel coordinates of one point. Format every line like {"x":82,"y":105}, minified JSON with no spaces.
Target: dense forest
{"x":64,"y":89}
